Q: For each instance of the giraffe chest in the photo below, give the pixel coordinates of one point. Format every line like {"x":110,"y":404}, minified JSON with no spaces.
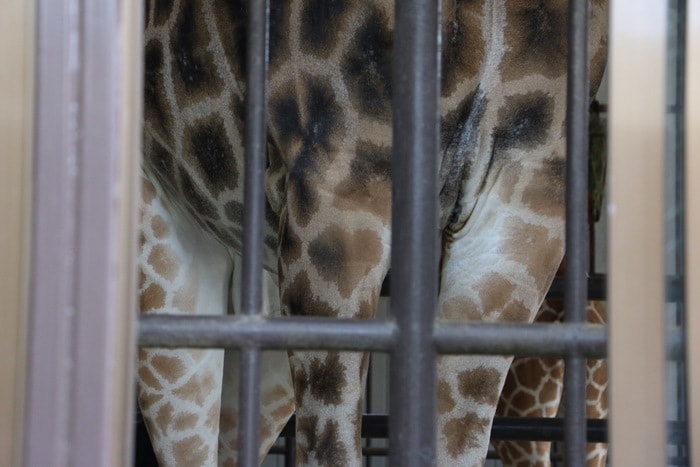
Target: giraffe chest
{"x":329,"y":105}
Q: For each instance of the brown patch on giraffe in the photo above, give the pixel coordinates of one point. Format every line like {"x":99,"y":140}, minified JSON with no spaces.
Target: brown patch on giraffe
{"x":367,"y":186}
{"x":163,"y":260}
{"x":164,"y":417}
{"x":159,"y":226}
{"x":536,"y":39}
{"x":366,"y":65}
{"x":275,"y":394}
{"x":191,"y":451}
{"x":170,"y":368}
{"x":185,"y":299}
{"x":524,"y":401}
{"x":524,"y":121}
{"x":194,"y":73}
{"x":210,"y":154}
{"x":480,"y":384}
{"x":306,"y":428}
{"x":162,"y":9}
{"x":495,"y":292}
{"x":516,"y":312}
{"x":290,"y":243}
{"x":460,"y":309}
{"x":463,"y":47}
{"x":197,"y":388}
{"x":185,"y":421}
{"x":213,"y":415}
{"x":308,"y":122}
{"x":445,"y":401}
{"x":330,"y":451}
{"x":545,"y":194}
{"x":344,"y":258}
{"x":301,"y":384}
{"x":153,"y":298}
{"x":323,"y":22}
{"x":156,"y":108}
{"x":550,"y":389}
{"x":367,"y":309}
{"x":148,"y":378}
{"x":300,"y":301}
{"x":459,"y":433}
{"x":531,"y":245}
{"x":285,"y":411}
{"x":327,"y":379}
{"x":508,"y":178}
{"x":148,"y":191}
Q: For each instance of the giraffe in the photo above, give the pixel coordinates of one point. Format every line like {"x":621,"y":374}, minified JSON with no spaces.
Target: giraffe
{"x":533,"y":388}
{"x":328,"y":193}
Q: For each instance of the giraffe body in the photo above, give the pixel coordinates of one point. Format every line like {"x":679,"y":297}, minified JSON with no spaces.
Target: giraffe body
{"x":328,"y":190}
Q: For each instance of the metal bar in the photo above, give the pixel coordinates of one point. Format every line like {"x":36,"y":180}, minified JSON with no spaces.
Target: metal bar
{"x":635,"y":160}
{"x":315,"y":334}
{"x":522,"y":340}
{"x":278,"y":333}
{"x":253,"y":218}
{"x":692,"y":224}
{"x":414,"y":232}
{"x":577,"y":230}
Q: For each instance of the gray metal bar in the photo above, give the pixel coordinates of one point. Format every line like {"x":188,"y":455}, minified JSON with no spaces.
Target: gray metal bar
{"x":278,"y":333}
{"x":414,"y":234}
{"x":522,"y":340}
{"x":314,"y":334}
{"x":254,"y":216}
{"x":577,"y":235}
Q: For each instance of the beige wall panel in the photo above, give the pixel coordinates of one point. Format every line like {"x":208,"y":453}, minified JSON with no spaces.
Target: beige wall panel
{"x":16,"y":50}
{"x":636,"y":129}
{"x":692,"y":104}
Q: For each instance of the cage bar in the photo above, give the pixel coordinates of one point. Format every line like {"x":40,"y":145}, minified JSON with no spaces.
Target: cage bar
{"x":253,"y":218}
{"x":414,"y":259}
{"x":577,"y":237}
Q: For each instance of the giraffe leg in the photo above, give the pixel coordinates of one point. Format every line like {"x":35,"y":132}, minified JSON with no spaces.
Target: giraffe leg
{"x":498,"y":267}
{"x":332,"y":267}
{"x":533,"y":388}
{"x":179,"y":390}
{"x":276,"y":390}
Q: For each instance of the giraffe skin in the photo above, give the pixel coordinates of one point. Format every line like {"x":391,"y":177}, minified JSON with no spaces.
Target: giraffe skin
{"x":534,"y":388}
{"x":328,"y":191}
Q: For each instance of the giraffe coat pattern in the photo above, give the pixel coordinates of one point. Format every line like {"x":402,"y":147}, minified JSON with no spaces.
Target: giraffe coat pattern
{"x":328,"y":204}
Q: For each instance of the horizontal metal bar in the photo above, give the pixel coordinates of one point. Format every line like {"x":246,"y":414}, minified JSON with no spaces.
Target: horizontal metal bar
{"x":275,"y":333}
{"x":521,"y":339}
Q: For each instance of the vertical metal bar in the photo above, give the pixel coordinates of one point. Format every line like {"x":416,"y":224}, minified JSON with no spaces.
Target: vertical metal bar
{"x":692,"y":223}
{"x":636,"y":156}
{"x":254,"y":215}
{"x":17,"y":50}
{"x":415,"y":241}
{"x":577,"y":239}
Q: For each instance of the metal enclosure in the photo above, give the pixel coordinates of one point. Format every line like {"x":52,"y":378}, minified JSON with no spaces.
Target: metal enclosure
{"x":81,"y":322}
